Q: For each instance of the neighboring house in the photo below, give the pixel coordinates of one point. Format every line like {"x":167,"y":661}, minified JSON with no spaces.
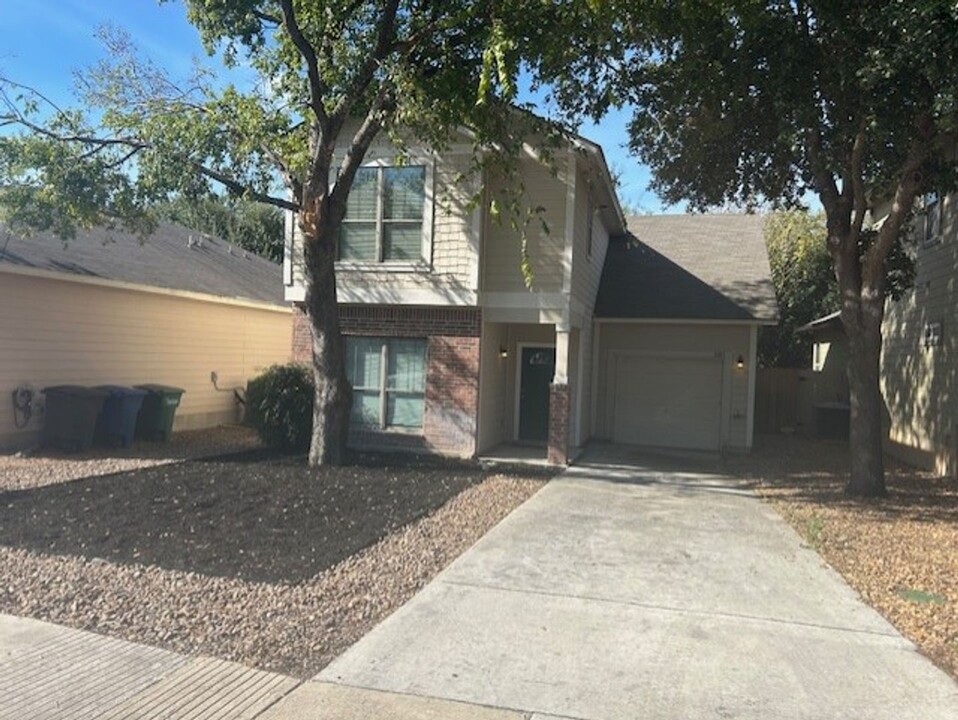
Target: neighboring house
{"x":640,"y":331}
{"x":919,"y":365}
{"x":828,"y":409}
{"x":919,"y":361}
{"x":108,"y":309}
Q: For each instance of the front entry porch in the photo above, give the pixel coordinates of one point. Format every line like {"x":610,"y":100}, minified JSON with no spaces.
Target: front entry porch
{"x":525,"y":394}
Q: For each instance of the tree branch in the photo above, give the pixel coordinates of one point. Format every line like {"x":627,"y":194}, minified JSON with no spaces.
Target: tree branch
{"x":873,"y":269}
{"x":292,"y":182}
{"x":266,"y":17}
{"x":238,"y":188}
{"x":385,"y":43}
{"x":361,"y":141}
{"x":97,"y":143}
{"x":317,"y":88}
{"x":857,"y":184}
{"x":824,"y":180}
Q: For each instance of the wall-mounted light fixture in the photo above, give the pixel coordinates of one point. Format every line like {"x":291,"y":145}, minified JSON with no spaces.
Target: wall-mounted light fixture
{"x":503,"y":353}
{"x":740,"y":363}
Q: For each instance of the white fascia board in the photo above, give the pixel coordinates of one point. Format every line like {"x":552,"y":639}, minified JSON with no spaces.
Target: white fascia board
{"x":569,"y":250}
{"x":552,"y":301}
{"x":378,"y":295}
{"x":598,"y":156}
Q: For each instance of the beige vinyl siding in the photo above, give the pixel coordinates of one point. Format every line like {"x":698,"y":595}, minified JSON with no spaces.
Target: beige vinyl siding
{"x":920,"y":384}
{"x":501,"y":263}
{"x":452,"y":260}
{"x":728,"y":341}
{"x":494,"y":405}
{"x":64,"y":332}
{"x":586,"y":268}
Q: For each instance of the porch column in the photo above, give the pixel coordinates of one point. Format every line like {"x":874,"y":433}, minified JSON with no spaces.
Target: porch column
{"x":560,"y":402}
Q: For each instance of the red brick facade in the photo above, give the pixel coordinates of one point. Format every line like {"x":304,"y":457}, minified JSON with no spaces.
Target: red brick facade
{"x":450,"y":419}
{"x":560,"y":404}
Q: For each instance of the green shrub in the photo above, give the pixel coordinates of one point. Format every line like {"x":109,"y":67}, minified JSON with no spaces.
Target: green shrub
{"x":279,"y":406}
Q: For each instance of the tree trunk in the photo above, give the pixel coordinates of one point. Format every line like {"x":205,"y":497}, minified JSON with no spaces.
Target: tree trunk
{"x":865,"y":433}
{"x":333,"y":400}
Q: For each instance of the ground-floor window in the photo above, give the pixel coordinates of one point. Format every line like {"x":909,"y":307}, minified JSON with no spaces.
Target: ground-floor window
{"x":388,"y":376}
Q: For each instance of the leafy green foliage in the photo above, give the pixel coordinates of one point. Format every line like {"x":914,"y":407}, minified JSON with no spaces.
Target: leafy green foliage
{"x":279,"y":406}
{"x":744,"y":102}
{"x":249,"y":225}
{"x":805,"y":285}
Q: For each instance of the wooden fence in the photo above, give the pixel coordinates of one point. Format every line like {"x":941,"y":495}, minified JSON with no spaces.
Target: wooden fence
{"x":783,"y":400}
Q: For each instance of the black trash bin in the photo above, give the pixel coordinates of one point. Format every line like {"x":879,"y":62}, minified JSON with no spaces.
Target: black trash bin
{"x":70,"y":418}
{"x":159,"y":409}
{"x":117,"y":421}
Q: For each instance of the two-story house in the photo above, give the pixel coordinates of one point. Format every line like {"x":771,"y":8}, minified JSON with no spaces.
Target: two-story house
{"x":919,"y":364}
{"x":640,"y":331}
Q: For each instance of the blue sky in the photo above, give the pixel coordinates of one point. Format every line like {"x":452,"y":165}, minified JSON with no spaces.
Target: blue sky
{"x":44,"y":52}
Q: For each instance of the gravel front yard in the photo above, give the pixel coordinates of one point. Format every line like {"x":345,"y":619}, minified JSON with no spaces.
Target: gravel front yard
{"x":48,"y":467}
{"x":900,"y":553}
{"x":255,"y":559}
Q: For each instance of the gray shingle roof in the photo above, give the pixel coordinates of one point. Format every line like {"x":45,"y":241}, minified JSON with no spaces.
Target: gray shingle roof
{"x":165,"y":259}
{"x":703,"y":267}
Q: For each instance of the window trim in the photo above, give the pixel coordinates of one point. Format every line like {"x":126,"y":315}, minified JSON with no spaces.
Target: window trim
{"x":424,"y":262}
{"x":931,"y":203}
{"x":383,"y":388}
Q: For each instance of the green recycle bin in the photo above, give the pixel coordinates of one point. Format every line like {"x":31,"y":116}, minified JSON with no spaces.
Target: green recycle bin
{"x":71,"y":414}
{"x":159,"y":408}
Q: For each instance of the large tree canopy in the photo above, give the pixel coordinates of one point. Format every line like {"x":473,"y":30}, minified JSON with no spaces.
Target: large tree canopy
{"x":330,"y":76}
{"x":751,"y":102}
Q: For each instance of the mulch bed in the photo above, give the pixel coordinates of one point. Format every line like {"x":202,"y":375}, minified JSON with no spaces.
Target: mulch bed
{"x":257,"y":516}
{"x":899,"y":552}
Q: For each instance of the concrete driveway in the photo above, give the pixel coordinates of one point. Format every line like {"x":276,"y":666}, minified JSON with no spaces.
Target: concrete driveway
{"x":623,"y":591}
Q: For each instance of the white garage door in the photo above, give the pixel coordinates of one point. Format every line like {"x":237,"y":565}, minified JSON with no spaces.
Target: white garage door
{"x":668,"y":401}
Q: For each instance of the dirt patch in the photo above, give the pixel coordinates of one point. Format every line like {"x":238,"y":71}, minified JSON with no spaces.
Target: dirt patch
{"x":257,"y":560}
{"x":900,"y":553}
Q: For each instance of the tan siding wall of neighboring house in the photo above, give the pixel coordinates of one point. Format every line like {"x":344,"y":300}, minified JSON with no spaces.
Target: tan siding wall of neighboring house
{"x":729,"y":340}
{"x":501,"y":269}
{"x":920,"y":384}
{"x":58,"y":332}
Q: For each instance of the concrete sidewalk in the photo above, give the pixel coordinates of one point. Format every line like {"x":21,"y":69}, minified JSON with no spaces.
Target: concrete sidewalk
{"x":50,"y":671}
{"x":620,"y":592}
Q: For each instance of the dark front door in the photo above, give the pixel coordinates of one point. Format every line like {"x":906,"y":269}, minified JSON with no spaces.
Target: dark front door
{"x":538,"y":367}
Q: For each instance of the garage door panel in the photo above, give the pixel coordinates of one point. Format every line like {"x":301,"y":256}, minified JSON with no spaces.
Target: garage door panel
{"x":668,"y":401}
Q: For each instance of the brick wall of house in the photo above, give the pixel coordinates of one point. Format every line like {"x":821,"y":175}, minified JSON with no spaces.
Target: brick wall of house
{"x":450,"y":420}
{"x":560,"y":405}
{"x":302,"y":341}
{"x":452,"y":394}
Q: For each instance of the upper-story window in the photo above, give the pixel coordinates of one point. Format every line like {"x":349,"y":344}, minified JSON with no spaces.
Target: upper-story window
{"x":384,"y":216}
{"x":931,"y":230}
